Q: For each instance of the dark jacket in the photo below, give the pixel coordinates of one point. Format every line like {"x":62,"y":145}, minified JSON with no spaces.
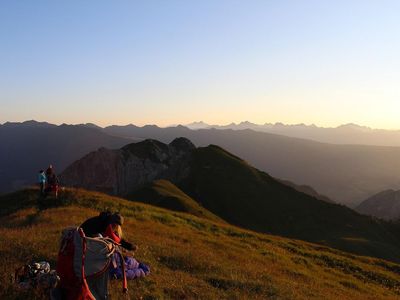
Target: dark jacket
{"x":93,"y":226}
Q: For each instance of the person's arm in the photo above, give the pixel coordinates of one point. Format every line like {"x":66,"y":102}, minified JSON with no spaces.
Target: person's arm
{"x":128,"y":246}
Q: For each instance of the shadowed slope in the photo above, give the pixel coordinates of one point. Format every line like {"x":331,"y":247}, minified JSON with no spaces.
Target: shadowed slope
{"x":240,"y":194}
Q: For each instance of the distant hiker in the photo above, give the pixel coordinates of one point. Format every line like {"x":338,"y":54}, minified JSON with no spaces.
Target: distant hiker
{"x":42,"y":182}
{"x":109,"y":225}
{"x":49,"y":171}
{"x":52,"y":181}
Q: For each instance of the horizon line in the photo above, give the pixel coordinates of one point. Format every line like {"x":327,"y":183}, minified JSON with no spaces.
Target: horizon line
{"x":206,"y":124}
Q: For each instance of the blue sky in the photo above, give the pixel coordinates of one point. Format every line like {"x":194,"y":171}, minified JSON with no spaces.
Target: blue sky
{"x":169,"y":62}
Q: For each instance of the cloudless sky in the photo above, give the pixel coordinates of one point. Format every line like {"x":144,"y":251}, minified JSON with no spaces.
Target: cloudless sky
{"x":169,"y":62}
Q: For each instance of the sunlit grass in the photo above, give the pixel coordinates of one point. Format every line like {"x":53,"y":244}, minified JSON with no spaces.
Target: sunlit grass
{"x":193,"y":258}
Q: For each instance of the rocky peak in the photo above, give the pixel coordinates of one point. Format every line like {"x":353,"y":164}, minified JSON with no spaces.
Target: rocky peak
{"x":147,"y":149}
{"x":182,"y":144}
{"x":122,"y":171}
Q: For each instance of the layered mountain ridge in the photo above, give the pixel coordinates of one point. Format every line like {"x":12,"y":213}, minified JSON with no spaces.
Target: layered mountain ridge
{"x":343,"y":134}
{"x":347,"y":174}
{"x":231,"y":189}
{"x":26,"y":148}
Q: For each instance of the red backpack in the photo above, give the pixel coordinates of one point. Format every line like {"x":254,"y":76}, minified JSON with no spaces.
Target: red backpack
{"x":83,"y":264}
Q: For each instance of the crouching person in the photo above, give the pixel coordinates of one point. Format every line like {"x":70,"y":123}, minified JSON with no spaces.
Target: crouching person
{"x":107,"y":225}
{"x":85,"y":256}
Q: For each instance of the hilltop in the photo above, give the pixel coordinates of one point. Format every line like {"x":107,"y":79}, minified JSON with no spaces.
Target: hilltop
{"x":192,"y":257}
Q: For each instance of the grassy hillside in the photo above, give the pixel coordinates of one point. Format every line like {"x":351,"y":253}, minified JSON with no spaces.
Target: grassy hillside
{"x":242,"y":195}
{"x":163,"y":193}
{"x":191,"y":257}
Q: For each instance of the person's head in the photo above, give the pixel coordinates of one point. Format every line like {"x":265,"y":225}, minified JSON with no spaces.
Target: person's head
{"x":116,"y":218}
{"x":41,"y":171}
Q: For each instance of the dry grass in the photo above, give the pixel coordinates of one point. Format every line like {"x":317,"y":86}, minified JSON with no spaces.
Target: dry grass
{"x":193,"y":258}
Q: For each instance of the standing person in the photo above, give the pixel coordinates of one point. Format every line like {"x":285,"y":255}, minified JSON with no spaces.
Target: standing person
{"x":52,"y":181}
{"x":49,"y":171}
{"x":54,"y":186}
{"x":42,"y":182}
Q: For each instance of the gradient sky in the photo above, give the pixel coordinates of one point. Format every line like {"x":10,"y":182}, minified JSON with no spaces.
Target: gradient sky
{"x":169,"y":62}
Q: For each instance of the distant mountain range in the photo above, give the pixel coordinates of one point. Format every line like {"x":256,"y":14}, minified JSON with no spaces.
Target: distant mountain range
{"x":213,"y":179}
{"x":343,"y":134}
{"x":385,"y":205}
{"x":346,"y":174}
{"x":27,"y":147}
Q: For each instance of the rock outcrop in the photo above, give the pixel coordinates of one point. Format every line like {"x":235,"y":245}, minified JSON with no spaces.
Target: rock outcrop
{"x":122,"y":171}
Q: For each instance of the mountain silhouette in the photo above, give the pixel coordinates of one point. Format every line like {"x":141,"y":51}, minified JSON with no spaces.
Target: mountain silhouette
{"x":27,"y":147}
{"x":344,"y":134}
{"x":347,"y":174}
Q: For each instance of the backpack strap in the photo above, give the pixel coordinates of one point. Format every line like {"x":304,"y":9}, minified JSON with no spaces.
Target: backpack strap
{"x":88,"y":295}
{"x":124,"y":280}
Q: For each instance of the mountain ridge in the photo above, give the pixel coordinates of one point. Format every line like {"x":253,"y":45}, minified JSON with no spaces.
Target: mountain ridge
{"x":29,"y":147}
{"x":344,"y":173}
{"x":349,"y":133}
{"x":323,"y":166}
{"x":231,"y":189}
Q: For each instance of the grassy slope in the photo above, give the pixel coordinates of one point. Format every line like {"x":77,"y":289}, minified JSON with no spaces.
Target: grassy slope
{"x":163,"y":193}
{"x":192,"y":257}
{"x":242,"y":195}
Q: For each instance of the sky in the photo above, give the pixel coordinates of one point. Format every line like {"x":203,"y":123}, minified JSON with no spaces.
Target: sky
{"x":175,"y":62}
